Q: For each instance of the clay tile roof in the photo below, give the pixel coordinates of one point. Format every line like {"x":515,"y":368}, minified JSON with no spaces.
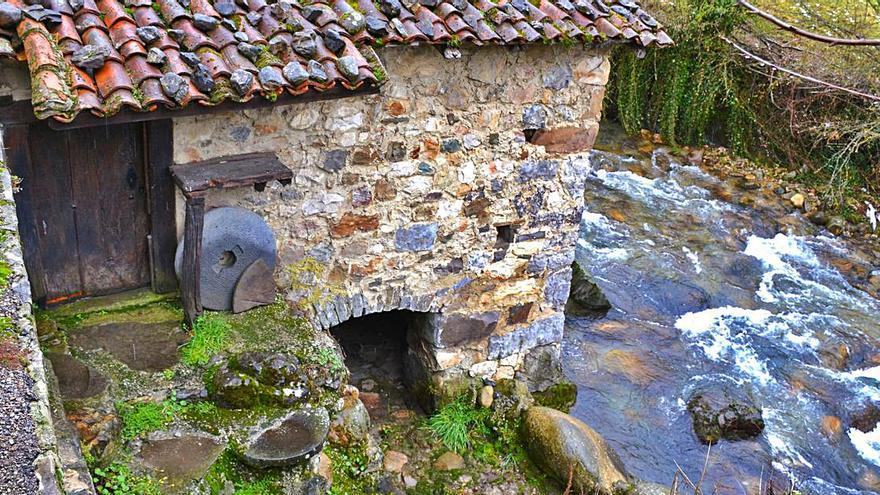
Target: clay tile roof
{"x":105,"y":55}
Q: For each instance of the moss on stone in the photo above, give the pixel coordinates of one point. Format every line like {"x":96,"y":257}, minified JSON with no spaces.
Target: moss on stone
{"x":140,"y":418}
{"x":246,"y":481}
{"x":560,"y":396}
{"x":306,"y":276}
{"x":116,"y":303}
{"x":350,"y":466}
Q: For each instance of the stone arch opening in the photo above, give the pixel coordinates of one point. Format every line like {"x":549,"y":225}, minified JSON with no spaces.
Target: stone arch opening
{"x":381,"y":353}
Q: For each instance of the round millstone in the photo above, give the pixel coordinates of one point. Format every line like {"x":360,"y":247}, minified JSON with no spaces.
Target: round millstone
{"x":290,"y":440}
{"x":232,"y":239}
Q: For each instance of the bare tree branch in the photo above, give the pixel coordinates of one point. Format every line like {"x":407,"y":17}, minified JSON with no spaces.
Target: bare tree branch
{"x":805,"y":77}
{"x":808,"y":34}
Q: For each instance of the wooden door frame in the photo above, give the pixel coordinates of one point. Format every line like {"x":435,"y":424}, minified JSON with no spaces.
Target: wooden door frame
{"x":158,"y":143}
{"x":161,"y":204}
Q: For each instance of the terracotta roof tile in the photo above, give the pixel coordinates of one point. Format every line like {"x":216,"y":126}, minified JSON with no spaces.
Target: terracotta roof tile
{"x":193,"y":39}
{"x":145,"y":16}
{"x":139,"y":69}
{"x":111,"y":78}
{"x":113,"y":12}
{"x":153,"y":95}
{"x":267,"y":34}
{"x":67,"y":30}
{"x":85,"y":20}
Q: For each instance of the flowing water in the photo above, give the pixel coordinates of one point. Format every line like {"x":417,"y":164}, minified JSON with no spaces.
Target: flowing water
{"x":707,"y":292}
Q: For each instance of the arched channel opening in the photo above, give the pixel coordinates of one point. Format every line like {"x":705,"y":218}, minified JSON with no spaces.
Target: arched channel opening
{"x":377,"y":353}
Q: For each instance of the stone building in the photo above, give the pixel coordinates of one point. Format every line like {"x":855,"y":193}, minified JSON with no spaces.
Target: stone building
{"x":420,"y":156}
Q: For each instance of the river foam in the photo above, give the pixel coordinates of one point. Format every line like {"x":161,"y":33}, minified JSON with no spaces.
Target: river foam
{"x":867,"y":444}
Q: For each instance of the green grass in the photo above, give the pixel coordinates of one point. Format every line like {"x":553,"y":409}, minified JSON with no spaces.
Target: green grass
{"x":141,"y":418}
{"x":246,"y":481}
{"x":209,"y":337}
{"x":456,"y":424}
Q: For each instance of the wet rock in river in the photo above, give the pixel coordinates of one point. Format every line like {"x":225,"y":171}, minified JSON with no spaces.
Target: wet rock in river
{"x":585,"y":297}
{"x":564,"y":446}
{"x":631,"y":365}
{"x":179,"y":459}
{"x":865,"y":418}
{"x":289,"y":440}
{"x":719,"y":413}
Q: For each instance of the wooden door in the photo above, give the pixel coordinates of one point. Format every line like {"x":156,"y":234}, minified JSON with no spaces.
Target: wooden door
{"x":82,"y":208}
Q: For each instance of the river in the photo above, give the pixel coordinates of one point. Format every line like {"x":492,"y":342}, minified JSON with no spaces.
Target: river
{"x":707,"y":292}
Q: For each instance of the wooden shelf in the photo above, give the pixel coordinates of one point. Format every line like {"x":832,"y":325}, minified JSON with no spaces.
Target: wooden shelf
{"x":253,"y":169}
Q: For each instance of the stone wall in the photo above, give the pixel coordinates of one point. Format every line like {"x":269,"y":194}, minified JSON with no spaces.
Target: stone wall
{"x":428,"y":197}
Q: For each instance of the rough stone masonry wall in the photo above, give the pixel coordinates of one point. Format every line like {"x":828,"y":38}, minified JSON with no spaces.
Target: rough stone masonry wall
{"x":427,"y":197}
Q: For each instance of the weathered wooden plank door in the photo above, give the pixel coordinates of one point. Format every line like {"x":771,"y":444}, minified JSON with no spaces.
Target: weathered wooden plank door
{"x":82,"y":208}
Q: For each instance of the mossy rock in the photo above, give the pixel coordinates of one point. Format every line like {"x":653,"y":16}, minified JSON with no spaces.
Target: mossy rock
{"x":564,"y":447}
{"x":561,"y":396}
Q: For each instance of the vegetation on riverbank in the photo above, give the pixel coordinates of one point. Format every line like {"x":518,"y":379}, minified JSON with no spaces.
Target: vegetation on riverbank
{"x":705,"y":90}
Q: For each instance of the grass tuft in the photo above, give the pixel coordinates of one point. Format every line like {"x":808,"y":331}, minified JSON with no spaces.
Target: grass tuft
{"x":454,"y":425}
{"x":209,"y":337}
{"x":141,"y":418}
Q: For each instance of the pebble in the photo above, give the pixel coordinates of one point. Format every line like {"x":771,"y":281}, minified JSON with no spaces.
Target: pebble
{"x":449,"y":461}
{"x":487,"y":396}
{"x":394,"y":461}
{"x":409,"y":481}
{"x":798,"y":200}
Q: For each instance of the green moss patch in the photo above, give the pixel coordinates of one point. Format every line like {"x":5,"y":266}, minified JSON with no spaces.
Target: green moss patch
{"x":140,"y":418}
{"x":560,"y":396}
{"x":209,"y":337}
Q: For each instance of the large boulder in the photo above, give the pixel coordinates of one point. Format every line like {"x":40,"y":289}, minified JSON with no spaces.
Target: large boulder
{"x":721,"y":413}
{"x":253,"y":379}
{"x":585,"y":297}
{"x":566,"y":447}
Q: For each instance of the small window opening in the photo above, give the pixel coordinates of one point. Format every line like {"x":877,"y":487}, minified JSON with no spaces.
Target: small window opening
{"x":505,"y":235}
